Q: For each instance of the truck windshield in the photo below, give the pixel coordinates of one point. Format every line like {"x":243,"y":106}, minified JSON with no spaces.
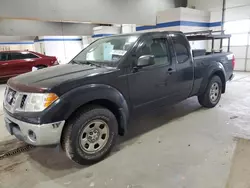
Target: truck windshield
{"x":106,"y":51}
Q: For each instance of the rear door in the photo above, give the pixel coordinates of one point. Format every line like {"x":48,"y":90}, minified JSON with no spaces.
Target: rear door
{"x":184,"y":65}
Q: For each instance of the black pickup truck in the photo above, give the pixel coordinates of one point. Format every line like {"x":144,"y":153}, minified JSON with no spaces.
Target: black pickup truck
{"x":85,"y":104}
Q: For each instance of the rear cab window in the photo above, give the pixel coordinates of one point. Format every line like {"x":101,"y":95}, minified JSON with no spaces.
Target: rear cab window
{"x":181,"y":48}
{"x":32,"y":56}
{"x":24,"y":55}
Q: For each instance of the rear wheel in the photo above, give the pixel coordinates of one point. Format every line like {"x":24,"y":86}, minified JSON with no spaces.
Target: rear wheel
{"x":90,"y":135}
{"x":212,"y":94}
{"x":41,"y":66}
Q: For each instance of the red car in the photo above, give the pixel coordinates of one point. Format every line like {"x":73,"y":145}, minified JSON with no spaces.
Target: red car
{"x":13,"y":63}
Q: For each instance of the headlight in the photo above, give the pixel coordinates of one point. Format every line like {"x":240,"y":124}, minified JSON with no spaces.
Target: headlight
{"x":5,"y":91}
{"x":36,"y":102}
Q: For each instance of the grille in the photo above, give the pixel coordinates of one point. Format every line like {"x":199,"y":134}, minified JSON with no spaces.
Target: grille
{"x":23,"y":101}
{"x":14,"y":100}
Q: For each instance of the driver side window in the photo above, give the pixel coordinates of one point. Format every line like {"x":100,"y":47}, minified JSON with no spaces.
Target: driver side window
{"x":3,"y":56}
{"x":156,"y":47}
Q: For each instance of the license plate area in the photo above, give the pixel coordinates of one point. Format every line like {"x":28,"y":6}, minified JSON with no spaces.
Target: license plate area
{"x":11,"y":126}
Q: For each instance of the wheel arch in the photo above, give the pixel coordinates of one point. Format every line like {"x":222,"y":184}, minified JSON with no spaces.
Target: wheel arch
{"x":216,"y":69}
{"x":110,"y":105}
{"x":220,"y":74}
{"x":101,"y":95}
{"x":41,"y":65}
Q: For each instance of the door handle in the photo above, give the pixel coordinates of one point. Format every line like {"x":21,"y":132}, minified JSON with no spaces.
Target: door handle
{"x":170,"y":71}
{"x":5,"y":63}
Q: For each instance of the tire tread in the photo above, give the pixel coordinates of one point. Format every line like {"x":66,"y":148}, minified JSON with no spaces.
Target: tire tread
{"x":66,"y":140}
{"x":204,"y":98}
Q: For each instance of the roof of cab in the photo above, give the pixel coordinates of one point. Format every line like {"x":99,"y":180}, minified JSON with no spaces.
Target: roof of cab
{"x":143,"y":33}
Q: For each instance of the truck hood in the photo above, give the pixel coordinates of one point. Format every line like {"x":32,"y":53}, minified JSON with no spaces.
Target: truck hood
{"x":47,"y":78}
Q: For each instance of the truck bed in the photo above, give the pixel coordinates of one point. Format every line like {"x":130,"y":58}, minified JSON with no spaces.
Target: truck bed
{"x":224,"y":58}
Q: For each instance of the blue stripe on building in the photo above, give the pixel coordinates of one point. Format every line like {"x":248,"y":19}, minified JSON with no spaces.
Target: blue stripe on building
{"x":101,"y":35}
{"x":215,"y":24}
{"x":179,"y":23}
{"x":55,"y":39}
{"x":15,"y":43}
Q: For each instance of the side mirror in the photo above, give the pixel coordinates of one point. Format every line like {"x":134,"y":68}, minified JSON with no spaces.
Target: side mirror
{"x":145,"y":60}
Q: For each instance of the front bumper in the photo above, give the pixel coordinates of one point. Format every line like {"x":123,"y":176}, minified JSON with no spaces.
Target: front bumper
{"x":37,"y":135}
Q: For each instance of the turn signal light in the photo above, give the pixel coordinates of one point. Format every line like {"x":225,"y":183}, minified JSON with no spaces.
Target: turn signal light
{"x":55,"y":62}
{"x":50,"y":99}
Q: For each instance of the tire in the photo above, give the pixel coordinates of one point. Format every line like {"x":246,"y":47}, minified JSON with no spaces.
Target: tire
{"x":78,"y":130}
{"x":40,"y":67}
{"x":211,"y":96}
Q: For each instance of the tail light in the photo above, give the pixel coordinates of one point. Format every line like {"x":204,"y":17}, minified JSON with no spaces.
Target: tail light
{"x":55,"y":62}
{"x":233,"y":61}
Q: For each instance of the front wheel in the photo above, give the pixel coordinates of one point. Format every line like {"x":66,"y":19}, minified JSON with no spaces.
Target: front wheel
{"x":212,"y":94}
{"x":90,"y":135}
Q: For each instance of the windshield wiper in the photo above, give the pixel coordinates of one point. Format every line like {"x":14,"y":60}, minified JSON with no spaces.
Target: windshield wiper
{"x":85,"y":63}
{"x":75,"y":62}
{"x":91,"y":63}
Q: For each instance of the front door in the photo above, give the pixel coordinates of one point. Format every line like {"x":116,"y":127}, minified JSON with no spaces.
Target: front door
{"x":152,"y":85}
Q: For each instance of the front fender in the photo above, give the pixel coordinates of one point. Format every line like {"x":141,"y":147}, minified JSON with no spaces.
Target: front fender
{"x":72,"y":100}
